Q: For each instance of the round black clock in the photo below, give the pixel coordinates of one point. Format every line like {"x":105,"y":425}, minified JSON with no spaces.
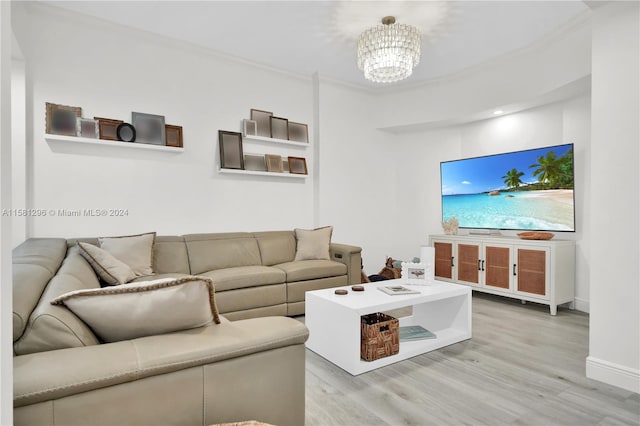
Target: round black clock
{"x":126,"y":132}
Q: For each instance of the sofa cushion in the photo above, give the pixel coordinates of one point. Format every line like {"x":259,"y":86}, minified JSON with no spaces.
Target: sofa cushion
{"x":144,"y":309}
{"x":170,"y":255}
{"x":313,"y":244}
{"x":175,"y":276}
{"x":35,"y":261}
{"x":134,"y":250}
{"x":45,"y":252}
{"x":72,"y":374}
{"x":111,"y":270}
{"x":296,"y":291}
{"x":276,"y":246}
{"x":208,"y":252}
{"x":251,"y":297}
{"x":245,"y":276}
{"x":55,"y":327}
{"x":29,"y":282}
{"x":303,"y":270}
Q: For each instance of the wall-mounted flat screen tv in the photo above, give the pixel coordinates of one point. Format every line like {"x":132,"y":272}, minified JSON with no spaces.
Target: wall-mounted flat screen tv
{"x":524,"y":190}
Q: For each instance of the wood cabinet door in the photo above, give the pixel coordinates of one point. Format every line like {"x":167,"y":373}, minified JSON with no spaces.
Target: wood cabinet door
{"x":443,"y":259}
{"x":469,"y":263}
{"x":497,"y":267}
{"x":531,"y":271}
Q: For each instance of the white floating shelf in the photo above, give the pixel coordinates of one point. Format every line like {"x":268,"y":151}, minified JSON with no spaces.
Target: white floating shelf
{"x":257,"y":173}
{"x":69,"y":140}
{"x":274,"y":140}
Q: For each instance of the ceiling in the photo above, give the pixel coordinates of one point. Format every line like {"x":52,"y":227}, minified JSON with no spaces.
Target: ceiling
{"x":309,"y":36}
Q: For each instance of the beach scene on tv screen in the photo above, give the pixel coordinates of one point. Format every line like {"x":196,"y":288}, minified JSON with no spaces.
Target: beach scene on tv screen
{"x":524,"y":190}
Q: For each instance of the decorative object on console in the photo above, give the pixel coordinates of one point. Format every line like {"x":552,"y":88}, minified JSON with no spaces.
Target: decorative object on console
{"x":173,"y":135}
{"x":249,"y":127}
{"x":126,"y":132}
{"x":341,"y":292}
{"x":149,"y":128}
{"x":297,"y":165}
{"x":313,"y":244}
{"x":108,"y":128}
{"x":535,"y":235}
{"x":279,"y":128}
{"x":298,"y":132}
{"x":61,"y":119}
{"x":231,"y":155}
{"x":263,"y":122}
{"x":87,"y":128}
{"x":144,"y":309}
{"x":388,"y":53}
{"x":134,"y":250}
{"x":357,"y":288}
{"x":274,"y":163}
{"x":450,"y":226}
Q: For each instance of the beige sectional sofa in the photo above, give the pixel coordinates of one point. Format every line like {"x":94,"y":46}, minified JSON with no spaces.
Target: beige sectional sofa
{"x":249,"y":368}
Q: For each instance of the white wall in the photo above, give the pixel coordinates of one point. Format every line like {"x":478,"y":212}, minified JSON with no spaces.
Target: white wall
{"x":18,"y":149}
{"x":357,"y":191}
{"x":614,"y":328}
{"x":418,"y":186}
{"x":110,"y":71}
{"x":6,"y":329}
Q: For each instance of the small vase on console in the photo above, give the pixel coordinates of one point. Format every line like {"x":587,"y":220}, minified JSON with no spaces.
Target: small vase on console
{"x":450,"y":226}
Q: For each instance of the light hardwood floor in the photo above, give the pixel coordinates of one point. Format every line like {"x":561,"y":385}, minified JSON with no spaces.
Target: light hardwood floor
{"x":522,"y":367}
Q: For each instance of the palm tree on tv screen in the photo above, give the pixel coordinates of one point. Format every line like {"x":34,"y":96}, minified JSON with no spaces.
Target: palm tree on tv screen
{"x":512,"y":178}
{"x":549,"y":169}
{"x":566,"y":178}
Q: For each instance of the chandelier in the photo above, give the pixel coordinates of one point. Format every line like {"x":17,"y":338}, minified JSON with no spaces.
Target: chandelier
{"x":388,"y":52}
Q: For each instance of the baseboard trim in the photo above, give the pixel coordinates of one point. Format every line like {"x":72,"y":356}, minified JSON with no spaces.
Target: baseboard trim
{"x":581,"y":305}
{"x":613,"y":374}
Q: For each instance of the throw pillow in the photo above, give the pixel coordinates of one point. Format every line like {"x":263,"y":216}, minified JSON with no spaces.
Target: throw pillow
{"x":313,"y":244}
{"x":144,"y":309}
{"x":134,"y":250}
{"x":111,"y":270}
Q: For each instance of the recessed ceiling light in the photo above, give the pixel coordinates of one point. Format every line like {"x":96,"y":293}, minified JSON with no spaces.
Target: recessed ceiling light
{"x":497,"y":112}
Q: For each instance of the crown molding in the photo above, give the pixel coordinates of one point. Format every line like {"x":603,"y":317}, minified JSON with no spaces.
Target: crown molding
{"x":575,"y":89}
{"x":579,"y":22}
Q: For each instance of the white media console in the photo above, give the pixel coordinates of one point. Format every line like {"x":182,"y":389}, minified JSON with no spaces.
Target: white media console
{"x":541,"y":271}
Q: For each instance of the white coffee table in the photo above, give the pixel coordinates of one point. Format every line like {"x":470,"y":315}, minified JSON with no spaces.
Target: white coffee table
{"x":334,"y":320}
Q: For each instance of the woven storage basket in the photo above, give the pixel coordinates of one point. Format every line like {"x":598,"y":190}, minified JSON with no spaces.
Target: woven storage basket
{"x":379,"y":336}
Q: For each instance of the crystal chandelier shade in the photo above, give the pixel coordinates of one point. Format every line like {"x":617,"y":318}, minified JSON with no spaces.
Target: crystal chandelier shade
{"x":389,"y":52}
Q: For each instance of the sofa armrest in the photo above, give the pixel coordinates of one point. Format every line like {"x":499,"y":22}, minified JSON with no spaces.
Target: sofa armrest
{"x":56,"y":374}
{"x":351,"y":257}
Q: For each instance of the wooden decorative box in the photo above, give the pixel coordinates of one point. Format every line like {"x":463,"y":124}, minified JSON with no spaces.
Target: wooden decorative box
{"x":379,"y":336}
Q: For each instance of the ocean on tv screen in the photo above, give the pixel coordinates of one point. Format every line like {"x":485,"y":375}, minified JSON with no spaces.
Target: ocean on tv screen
{"x":549,"y":210}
